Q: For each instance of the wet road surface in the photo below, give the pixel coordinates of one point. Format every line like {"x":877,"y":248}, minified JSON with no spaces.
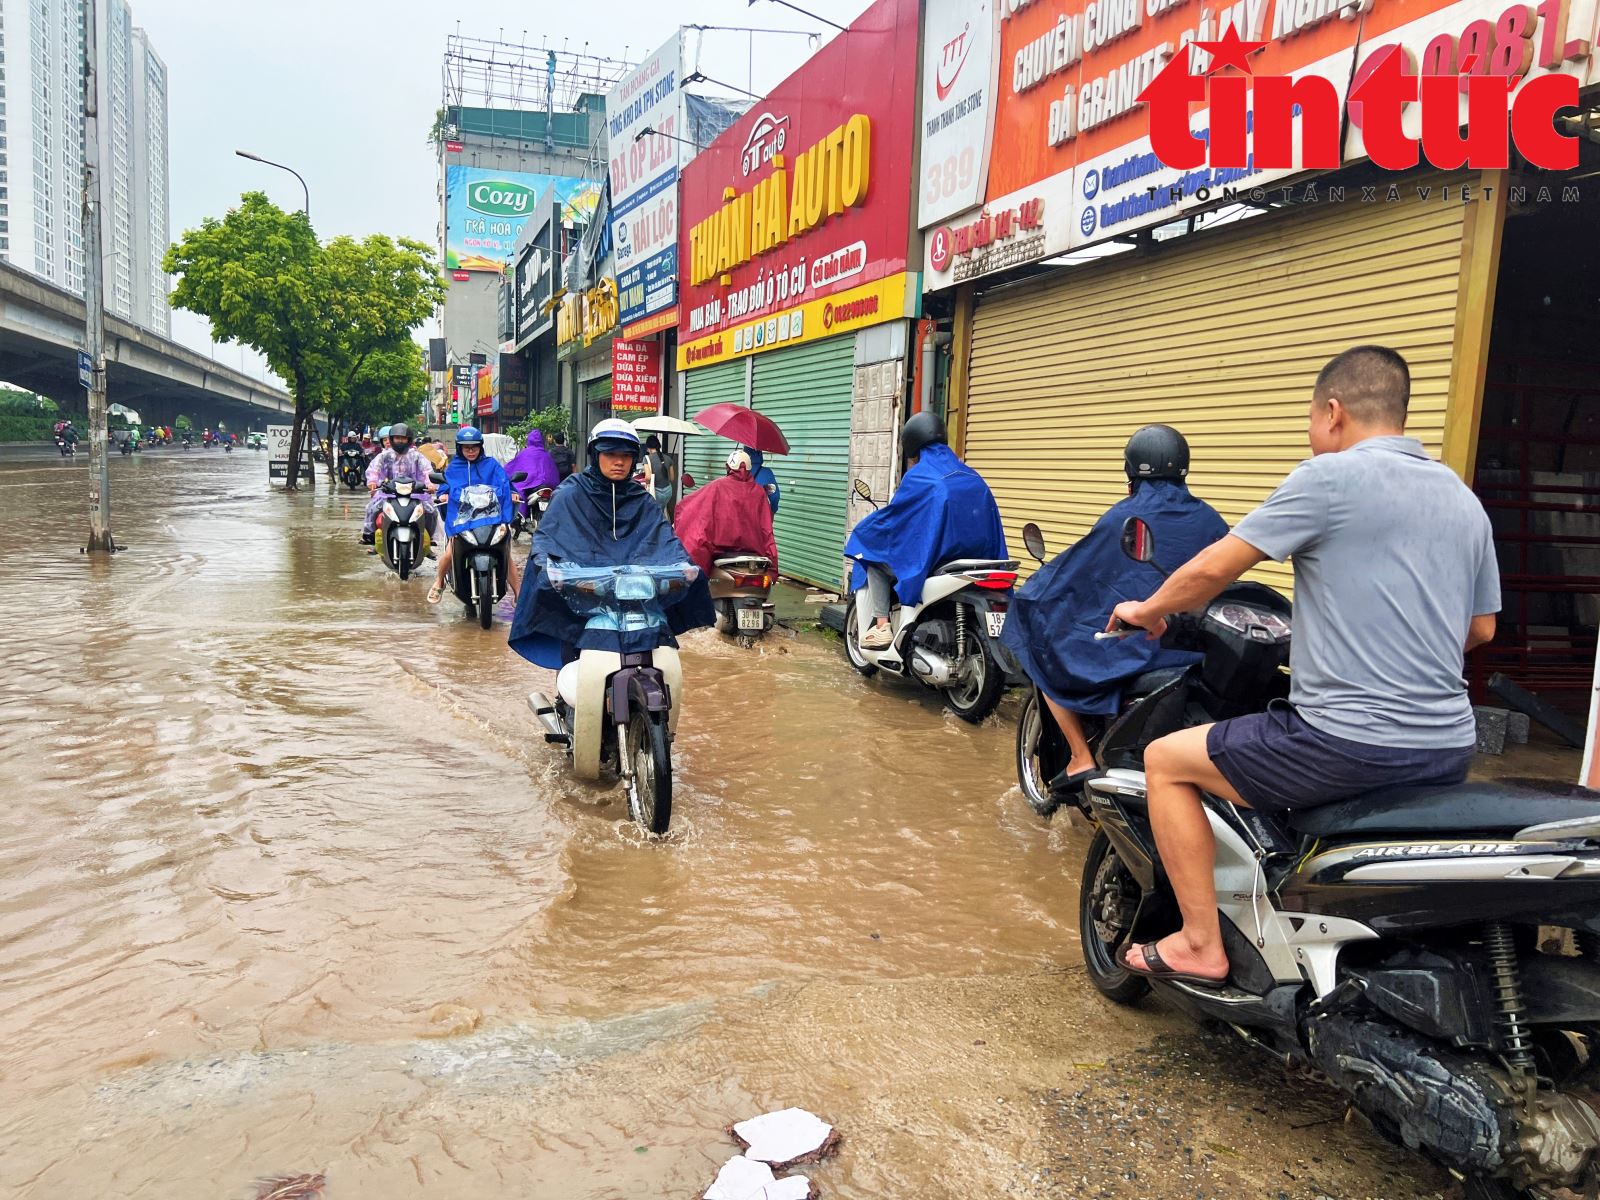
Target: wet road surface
{"x":291,"y":885}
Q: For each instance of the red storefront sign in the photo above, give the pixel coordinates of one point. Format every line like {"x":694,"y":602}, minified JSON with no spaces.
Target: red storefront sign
{"x":808,"y":195}
{"x":635,"y":376}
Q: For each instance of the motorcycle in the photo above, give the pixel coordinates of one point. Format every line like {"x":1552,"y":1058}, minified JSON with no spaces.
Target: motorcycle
{"x":402,"y":529}
{"x":125,"y":446}
{"x":319,"y":452}
{"x":619,"y":710}
{"x":68,"y":449}
{"x":352,"y":468}
{"x":188,"y":442}
{"x":1432,"y":952}
{"x":951,"y":640}
{"x":740,"y":585}
{"x":530,"y":508}
{"x":479,"y":557}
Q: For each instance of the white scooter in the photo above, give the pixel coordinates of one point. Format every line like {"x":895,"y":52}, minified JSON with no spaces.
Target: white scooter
{"x":620,"y":710}
{"x":951,"y":640}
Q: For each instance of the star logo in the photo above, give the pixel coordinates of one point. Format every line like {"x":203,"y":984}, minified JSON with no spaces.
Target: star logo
{"x":1230,"y":50}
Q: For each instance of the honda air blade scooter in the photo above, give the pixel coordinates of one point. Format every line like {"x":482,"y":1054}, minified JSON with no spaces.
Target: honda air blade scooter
{"x":479,"y":562}
{"x":402,"y":530}
{"x":741,"y":585}
{"x":620,"y":710}
{"x":951,"y":640}
{"x":1432,"y":952}
{"x":352,"y":467}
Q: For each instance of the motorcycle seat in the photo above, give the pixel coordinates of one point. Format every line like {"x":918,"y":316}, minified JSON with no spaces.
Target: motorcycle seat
{"x":1143,"y":685}
{"x":1501,"y":806}
{"x":961,"y":566}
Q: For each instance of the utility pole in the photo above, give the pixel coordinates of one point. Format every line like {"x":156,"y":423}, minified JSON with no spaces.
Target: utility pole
{"x":94,"y":300}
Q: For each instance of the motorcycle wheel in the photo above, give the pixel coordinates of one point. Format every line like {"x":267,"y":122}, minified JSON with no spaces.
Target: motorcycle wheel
{"x":402,"y":562}
{"x":650,"y":792}
{"x":1034,"y":756}
{"x":1107,"y":900}
{"x":973,"y":696}
{"x":725,"y":617}
{"x":852,"y":648}
{"x":485,"y":599}
{"x":1480,"y":1187}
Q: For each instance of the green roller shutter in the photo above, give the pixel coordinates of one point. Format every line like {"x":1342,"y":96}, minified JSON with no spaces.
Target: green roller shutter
{"x":806,"y":390}
{"x":597,"y":390}
{"x":704,"y":456}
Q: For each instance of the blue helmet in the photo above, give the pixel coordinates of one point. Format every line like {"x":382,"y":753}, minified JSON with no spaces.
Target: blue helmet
{"x":468,"y":435}
{"x":383,"y":433}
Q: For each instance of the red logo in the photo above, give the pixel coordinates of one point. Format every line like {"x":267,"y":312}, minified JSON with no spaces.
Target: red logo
{"x":453,"y":147}
{"x":1253,"y":126}
{"x":941,"y":248}
{"x":460,"y":276}
{"x":951,"y":62}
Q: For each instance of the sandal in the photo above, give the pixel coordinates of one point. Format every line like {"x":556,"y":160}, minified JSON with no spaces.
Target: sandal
{"x":1156,"y":968}
{"x":435,"y":594}
{"x":879,"y":637}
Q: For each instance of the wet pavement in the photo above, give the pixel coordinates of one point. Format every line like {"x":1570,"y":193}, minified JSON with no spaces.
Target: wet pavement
{"x":291,"y":886}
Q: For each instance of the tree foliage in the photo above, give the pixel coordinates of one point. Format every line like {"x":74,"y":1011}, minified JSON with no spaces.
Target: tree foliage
{"x":390,"y":385}
{"x":317,"y":313}
{"x":548,"y":421}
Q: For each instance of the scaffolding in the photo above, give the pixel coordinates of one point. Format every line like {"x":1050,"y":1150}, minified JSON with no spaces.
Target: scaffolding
{"x":495,"y":73}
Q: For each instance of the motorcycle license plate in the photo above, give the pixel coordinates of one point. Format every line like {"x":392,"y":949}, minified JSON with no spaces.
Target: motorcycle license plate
{"x":997,"y":623}
{"x":750,"y":618}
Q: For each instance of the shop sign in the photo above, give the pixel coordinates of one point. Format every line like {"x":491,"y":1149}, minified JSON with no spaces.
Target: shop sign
{"x":487,"y":400}
{"x":453,"y":147}
{"x":635,"y":376}
{"x":1071,"y":130}
{"x":841,"y":312}
{"x":806,"y":196}
{"x":599,"y":310}
{"x":644,"y":181}
{"x":958,"y":105}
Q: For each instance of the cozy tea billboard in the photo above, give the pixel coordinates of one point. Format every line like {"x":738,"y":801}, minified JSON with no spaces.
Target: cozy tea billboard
{"x":485,"y":211}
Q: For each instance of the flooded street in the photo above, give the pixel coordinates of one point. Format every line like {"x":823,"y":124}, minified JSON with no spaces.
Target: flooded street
{"x":292,"y":885}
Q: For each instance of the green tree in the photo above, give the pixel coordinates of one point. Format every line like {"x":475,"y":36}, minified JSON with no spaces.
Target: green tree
{"x":316,"y":313}
{"x":390,"y":385}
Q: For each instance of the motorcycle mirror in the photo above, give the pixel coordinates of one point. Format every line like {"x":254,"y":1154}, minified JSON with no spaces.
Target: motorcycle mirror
{"x":1033,"y":539}
{"x":1138,"y":543}
{"x":517,"y":478}
{"x":861,"y":489}
{"x":438,"y":477}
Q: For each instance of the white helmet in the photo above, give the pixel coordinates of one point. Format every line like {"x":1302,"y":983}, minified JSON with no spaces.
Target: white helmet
{"x":614,"y":430}
{"x":738,"y":461}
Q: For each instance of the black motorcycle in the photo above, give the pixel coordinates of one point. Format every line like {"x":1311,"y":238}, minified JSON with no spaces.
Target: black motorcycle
{"x":1432,"y":952}
{"x":352,"y":468}
{"x":479,"y":557}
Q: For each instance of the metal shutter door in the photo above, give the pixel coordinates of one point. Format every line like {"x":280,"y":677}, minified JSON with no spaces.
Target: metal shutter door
{"x":1222,"y":338}
{"x":807,"y":391}
{"x":705,"y":457}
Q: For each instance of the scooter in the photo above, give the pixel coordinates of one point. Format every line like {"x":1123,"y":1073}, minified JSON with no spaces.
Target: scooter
{"x":620,"y":710}
{"x":402,"y":529}
{"x":740,"y":585}
{"x":125,"y":446}
{"x":1432,"y":952}
{"x":479,"y":557}
{"x":951,"y":640}
{"x":352,"y":468}
{"x":188,"y":442}
{"x":531,"y":507}
{"x":68,"y":449}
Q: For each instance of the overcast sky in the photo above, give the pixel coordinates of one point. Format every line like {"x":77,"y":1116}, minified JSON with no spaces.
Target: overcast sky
{"x":345,"y":91}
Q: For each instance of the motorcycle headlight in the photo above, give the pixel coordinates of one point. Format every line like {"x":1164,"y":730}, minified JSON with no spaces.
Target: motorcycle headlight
{"x":499,"y":533}
{"x":388,"y":511}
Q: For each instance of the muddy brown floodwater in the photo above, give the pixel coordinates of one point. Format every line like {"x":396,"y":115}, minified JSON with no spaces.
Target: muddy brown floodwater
{"x":289,"y":885}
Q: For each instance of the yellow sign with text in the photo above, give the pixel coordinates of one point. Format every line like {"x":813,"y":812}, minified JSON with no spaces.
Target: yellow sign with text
{"x":843,"y":312}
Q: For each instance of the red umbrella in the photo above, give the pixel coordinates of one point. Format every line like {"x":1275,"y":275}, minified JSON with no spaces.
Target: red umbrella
{"x":745,"y":426}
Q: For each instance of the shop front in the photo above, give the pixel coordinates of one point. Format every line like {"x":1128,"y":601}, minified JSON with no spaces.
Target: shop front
{"x":793,"y":262}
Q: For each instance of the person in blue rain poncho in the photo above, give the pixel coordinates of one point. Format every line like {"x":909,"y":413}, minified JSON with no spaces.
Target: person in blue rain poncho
{"x":762,"y":474}
{"x":942,"y":510}
{"x":1055,"y":615}
{"x":601,"y":518}
{"x":471,"y":467}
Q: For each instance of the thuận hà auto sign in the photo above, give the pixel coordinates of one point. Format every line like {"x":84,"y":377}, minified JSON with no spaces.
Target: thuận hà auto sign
{"x":958,"y":105}
{"x":645,"y":123}
{"x":1072,"y":140}
{"x":806,"y":196}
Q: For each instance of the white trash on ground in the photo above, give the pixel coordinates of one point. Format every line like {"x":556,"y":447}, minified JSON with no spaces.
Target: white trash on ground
{"x":743,"y":1178}
{"x":785,"y":1137}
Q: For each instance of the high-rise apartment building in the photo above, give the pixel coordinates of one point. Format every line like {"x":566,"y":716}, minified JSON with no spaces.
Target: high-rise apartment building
{"x":41,"y":152}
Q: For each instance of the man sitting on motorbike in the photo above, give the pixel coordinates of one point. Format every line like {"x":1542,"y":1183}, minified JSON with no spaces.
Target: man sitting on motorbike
{"x":69,"y":436}
{"x":1056,"y":614}
{"x":399,"y":461}
{"x":1395,"y":580}
{"x":728,"y":516}
{"x":599,"y":518}
{"x":472,"y":466}
{"x":942,"y":510}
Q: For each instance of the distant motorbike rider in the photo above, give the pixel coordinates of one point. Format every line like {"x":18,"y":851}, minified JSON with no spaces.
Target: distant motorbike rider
{"x":470,"y":466}
{"x":728,"y":516}
{"x":562,"y":454}
{"x":399,"y":461}
{"x":537,"y":465}
{"x":383,"y":436}
{"x":600,"y":517}
{"x":1056,"y":614}
{"x":438,"y":457}
{"x":942,"y":510}
{"x":69,"y":438}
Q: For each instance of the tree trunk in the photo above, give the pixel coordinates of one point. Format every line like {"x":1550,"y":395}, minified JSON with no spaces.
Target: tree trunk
{"x":302,"y":414}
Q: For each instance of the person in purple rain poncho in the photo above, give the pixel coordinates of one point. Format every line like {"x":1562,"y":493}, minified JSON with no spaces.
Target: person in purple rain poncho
{"x":535,"y":462}
{"x":399,"y":461}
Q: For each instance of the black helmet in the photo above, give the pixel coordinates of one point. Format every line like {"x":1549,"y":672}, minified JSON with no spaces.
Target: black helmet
{"x":921,"y":431}
{"x":399,"y":430}
{"x":1156,"y":452}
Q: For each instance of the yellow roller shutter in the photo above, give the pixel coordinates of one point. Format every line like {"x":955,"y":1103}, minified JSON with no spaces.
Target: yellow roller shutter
{"x":1221,"y":335}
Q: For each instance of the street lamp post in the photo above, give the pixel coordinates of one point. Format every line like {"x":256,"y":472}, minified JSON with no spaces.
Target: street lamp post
{"x":281,"y":167}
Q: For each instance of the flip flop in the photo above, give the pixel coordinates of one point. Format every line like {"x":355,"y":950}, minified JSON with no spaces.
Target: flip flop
{"x":1071,"y":783}
{"x":1156,"y":968}
{"x":435,"y":594}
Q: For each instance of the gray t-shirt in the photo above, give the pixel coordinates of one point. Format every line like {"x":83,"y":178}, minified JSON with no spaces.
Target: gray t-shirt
{"x":1393,"y":557}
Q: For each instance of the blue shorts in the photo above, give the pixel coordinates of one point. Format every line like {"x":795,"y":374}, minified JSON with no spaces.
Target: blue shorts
{"x":1277,"y":761}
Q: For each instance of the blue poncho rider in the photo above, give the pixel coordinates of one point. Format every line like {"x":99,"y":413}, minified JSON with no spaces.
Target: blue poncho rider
{"x":942,"y":511}
{"x":600,"y":517}
{"x":471,"y":466}
{"x":1056,"y":614}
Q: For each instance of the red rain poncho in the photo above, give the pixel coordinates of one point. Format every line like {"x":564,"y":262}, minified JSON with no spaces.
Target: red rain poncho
{"x":730,"y":515}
